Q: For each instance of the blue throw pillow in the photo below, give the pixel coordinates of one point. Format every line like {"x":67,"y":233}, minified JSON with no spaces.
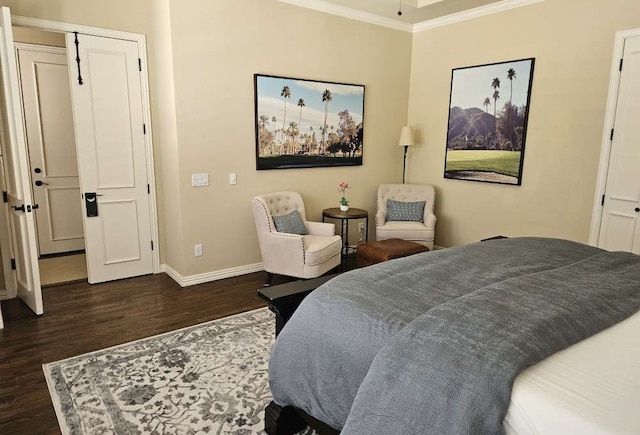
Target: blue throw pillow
{"x":290,"y":223}
{"x":405,"y":211}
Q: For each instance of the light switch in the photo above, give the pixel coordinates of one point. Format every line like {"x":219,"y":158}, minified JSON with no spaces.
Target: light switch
{"x":199,"y":180}
{"x":233,"y":179}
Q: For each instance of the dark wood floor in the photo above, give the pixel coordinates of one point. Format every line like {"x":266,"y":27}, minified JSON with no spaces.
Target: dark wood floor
{"x":81,"y":318}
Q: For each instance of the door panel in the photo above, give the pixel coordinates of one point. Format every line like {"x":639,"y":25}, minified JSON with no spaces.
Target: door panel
{"x":14,"y":149}
{"x":107,"y":110}
{"x":52,"y":152}
{"x":620,"y":227}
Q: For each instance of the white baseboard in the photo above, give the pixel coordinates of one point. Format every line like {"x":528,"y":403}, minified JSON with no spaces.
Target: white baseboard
{"x":186,"y":281}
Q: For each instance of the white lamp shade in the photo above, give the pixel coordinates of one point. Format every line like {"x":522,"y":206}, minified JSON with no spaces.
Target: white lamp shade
{"x":406,"y":137}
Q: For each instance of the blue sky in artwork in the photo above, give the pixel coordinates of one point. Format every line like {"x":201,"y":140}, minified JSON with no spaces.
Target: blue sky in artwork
{"x":472,"y":85}
{"x":271,"y":104}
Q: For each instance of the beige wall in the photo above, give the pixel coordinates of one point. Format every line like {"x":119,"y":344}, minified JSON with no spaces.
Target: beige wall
{"x":573,"y":46}
{"x":217,"y":48}
{"x":203,"y":56}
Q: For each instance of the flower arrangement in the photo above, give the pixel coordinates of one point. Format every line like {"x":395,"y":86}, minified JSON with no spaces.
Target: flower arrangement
{"x":342,"y":188}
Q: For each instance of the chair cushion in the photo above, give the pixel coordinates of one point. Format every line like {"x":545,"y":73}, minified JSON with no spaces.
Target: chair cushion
{"x":405,"y":211}
{"x":318,"y":249}
{"x":290,"y":223}
{"x":415,"y":231}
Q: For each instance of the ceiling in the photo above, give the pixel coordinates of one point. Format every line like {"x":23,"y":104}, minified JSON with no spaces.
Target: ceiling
{"x":413,"y":11}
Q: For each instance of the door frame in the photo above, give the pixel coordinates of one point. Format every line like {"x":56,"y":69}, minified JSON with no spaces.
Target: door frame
{"x":609,"y":119}
{"x":61,"y":27}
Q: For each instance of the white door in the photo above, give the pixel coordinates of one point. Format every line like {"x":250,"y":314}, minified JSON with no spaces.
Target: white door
{"x":620,"y":226}
{"x":107,"y":110}
{"x":46,"y":97}
{"x":14,"y":149}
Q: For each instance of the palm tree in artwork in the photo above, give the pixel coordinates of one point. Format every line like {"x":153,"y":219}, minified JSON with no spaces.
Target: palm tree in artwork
{"x":511,"y":74}
{"x":262,"y":128}
{"x":326,"y":98}
{"x":495,"y":84}
{"x":300,"y":105}
{"x":486,"y":104}
{"x":286,"y":93}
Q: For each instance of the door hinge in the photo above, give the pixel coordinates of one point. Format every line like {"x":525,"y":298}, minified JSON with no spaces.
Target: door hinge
{"x":13,"y":264}
{"x":78,"y":58}
{"x":140,"y":64}
{"x":152,"y":245}
{"x":602,"y":200}
{"x":144,"y":128}
{"x":621,"y":60}
{"x":5,"y":196}
{"x":611,"y":137}
{"x":148,"y":189}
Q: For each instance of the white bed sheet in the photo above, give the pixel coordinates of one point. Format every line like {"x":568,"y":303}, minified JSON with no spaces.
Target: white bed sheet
{"x":590,"y":388}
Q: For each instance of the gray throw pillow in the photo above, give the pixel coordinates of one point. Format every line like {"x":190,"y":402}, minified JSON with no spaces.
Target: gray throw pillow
{"x":290,"y":223}
{"x":405,"y":211}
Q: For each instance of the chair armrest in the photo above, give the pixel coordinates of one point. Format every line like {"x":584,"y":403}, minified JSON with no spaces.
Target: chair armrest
{"x":282,"y":253}
{"x":430,"y":222}
{"x":320,"y":228}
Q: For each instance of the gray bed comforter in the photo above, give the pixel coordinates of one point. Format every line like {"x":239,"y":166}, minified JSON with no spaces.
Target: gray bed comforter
{"x":432,"y":343}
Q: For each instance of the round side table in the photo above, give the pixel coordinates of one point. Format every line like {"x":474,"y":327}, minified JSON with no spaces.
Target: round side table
{"x":345,"y":217}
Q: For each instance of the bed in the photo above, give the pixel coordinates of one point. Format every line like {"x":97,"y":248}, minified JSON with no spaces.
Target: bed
{"x":516,"y":336}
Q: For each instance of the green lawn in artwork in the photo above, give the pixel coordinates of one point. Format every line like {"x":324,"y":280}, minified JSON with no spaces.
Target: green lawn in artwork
{"x":501,"y":162}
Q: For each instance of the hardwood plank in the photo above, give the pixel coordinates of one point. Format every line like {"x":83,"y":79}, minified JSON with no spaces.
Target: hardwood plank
{"x":81,"y":318}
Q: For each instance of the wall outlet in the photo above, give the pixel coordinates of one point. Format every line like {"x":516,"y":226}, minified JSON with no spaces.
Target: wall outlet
{"x":199,"y":180}
{"x":233,"y":179}
{"x":198,"y":250}
{"x":361,"y":227}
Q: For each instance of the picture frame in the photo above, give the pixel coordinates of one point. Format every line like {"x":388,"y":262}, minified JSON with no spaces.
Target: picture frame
{"x":301,"y":123}
{"x":487,"y":144}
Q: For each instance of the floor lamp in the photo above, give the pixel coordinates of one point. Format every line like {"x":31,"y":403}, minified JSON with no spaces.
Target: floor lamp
{"x":406,"y":140}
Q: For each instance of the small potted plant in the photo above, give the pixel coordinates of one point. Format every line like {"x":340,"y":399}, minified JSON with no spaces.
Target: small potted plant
{"x":344,"y":202}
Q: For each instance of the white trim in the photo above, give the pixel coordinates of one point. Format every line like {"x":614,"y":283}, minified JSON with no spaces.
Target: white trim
{"x":355,"y":14}
{"x":39,"y":48}
{"x":481,"y":11}
{"x":185,"y":281}
{"x":609,"y":119}
{"x":60,"y":27}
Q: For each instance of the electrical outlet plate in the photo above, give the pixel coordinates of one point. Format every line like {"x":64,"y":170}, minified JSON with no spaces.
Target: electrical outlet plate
{"x":233,"y":179}
{"x":198,"y":250}
{"x":199,"y":180}
{"x":360,"y":227}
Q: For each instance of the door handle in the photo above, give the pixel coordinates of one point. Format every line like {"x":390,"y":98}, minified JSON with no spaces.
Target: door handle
{"x":40,"y":183}
{"x":91,"y":203}
{"x":19,"y":208}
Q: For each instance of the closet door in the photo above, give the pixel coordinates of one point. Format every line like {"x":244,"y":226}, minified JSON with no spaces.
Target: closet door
{"x":14,"y":149}
{"x":106,"y":91}
{"x":620,"y":225}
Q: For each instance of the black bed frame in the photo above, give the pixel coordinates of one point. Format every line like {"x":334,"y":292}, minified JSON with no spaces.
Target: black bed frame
{"x":283,"y":300}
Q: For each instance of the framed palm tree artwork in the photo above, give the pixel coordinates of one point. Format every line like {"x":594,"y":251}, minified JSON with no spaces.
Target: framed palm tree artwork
{"x":307,"y":123}
{"x":488,"y":113}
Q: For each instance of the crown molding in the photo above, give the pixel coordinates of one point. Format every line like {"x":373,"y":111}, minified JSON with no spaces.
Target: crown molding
{"x":470,"y":14}
{"x":354,"y":14}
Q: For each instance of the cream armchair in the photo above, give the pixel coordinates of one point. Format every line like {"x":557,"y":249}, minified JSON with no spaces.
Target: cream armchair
{"x":420,"y":232}
{"x":301,"y":256}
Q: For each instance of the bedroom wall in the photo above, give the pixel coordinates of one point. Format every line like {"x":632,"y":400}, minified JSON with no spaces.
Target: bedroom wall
{"x":217,"y":48}
{"x":573,"y":47}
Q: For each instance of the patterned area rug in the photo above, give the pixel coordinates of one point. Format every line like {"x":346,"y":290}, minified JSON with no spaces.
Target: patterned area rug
{"x":208,"y":378}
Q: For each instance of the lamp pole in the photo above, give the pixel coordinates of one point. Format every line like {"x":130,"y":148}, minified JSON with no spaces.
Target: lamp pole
{"x":404,"y":162}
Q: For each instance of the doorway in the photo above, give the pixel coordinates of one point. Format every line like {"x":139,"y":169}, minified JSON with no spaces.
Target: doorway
{"x":615,"y":224}
{"x":53,"y":167}
{"x":108,"y":209}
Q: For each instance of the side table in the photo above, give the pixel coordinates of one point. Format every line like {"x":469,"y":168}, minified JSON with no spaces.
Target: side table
{"x":345,"y":217}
